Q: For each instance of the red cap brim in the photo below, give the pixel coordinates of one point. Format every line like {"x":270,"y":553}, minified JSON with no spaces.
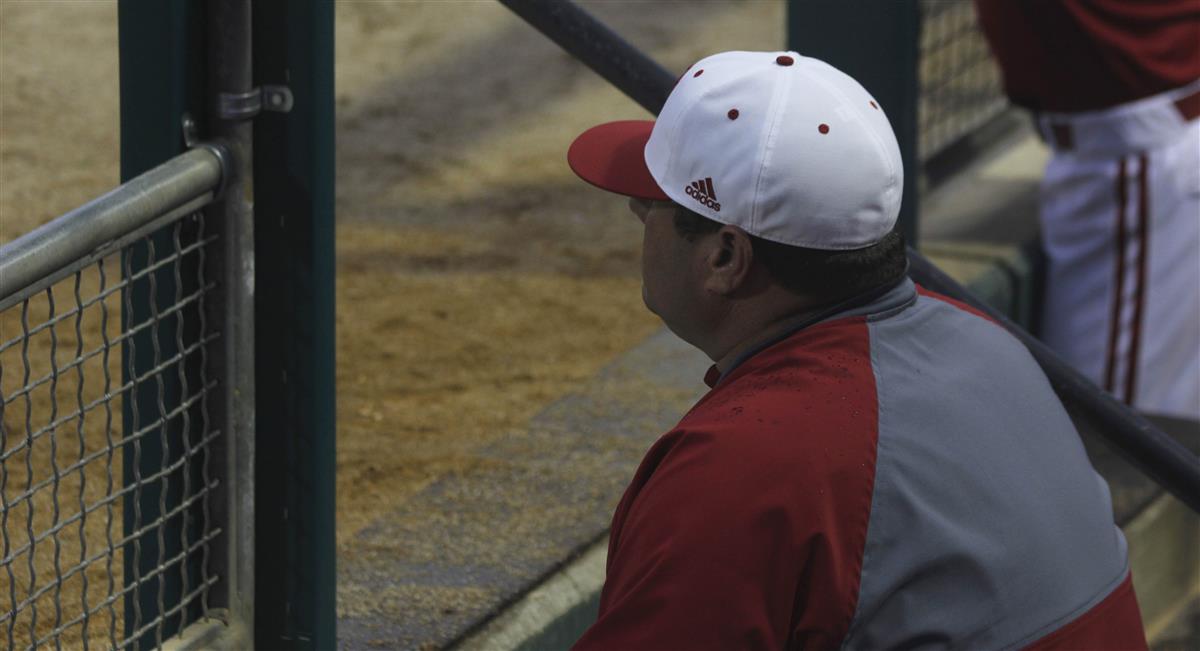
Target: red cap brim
{"x":611,"y":157}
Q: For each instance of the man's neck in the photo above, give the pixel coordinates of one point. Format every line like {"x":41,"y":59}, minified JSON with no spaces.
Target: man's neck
{"x":755,"y":333}
{"x":789,"y":314}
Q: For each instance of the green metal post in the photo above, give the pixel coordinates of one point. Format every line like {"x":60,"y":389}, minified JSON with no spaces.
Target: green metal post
{"x":878,"y":44}
{"x":161,"y":77}
{"x":294,"y":251}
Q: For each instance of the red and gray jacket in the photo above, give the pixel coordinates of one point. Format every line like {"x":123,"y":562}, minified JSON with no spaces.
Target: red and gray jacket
{"x":899,"y":476}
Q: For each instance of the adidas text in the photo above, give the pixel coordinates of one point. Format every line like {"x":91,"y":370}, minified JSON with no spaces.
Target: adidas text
{"x":695,"y":192}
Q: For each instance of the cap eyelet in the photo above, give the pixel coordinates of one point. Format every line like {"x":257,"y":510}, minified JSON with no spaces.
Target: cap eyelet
{"x":823,"y":128}
{"x":733,"y":114}
{"x":874,"y":105}
{"x":698,"y":73}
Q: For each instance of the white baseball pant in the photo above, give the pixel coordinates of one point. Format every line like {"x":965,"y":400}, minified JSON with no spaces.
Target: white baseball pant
{"x":1120,"y":219}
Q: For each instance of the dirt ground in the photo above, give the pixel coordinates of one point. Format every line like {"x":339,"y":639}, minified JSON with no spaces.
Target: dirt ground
{"x":477,"y":278}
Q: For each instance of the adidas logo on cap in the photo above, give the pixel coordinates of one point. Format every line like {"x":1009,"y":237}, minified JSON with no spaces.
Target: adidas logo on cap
{"x":703,"y":192}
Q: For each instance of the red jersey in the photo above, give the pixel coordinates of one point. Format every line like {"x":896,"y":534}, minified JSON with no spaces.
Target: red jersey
{"x":902,"y":476}
{"x":1067,"y":56}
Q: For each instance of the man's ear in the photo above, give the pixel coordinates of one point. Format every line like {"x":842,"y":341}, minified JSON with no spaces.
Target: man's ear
{"x":728,"y":260}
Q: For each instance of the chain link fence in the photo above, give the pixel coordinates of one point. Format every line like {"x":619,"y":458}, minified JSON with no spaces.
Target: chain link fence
{"x":109,"y":454}
{"x":959,"y":82}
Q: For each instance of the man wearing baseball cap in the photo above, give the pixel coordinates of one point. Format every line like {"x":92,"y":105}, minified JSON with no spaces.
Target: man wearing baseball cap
{"x":875,"y":466}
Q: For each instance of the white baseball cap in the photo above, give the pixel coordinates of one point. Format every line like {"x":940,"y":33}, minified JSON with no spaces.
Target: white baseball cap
{"x":784,"y":146}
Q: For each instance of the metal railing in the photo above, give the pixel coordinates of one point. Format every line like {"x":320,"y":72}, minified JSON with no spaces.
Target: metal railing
{"x":111,"y":517}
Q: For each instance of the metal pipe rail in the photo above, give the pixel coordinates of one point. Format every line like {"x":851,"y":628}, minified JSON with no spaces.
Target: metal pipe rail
{"x":602,"y":49}
{"x":179,"y":186}
{"x":1161,"y":457}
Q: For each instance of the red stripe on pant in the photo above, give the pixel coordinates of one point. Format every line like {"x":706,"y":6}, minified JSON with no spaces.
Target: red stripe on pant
{"x":1143,"y":234}
{"x":1114,"y":332}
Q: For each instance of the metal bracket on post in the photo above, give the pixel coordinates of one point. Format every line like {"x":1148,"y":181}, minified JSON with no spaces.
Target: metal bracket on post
{"x":191,"y":138}
{"x":244,"y":106}
{"x":190,"y":135}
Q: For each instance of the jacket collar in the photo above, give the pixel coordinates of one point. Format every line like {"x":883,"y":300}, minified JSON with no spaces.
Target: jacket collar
{"x":878,"y":303}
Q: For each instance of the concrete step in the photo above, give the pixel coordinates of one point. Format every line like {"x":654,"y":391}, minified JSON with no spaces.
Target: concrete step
{"x":1163,"y":533}
{"x":1183,"y":632}
{"x":520,"y":518}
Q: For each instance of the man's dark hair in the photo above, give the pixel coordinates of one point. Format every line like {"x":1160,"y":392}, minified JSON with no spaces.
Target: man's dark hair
{"x":826,"y":276}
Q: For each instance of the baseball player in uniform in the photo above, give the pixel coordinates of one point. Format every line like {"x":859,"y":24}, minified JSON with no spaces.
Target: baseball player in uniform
{"x":874,"y":466}
{"x":1115,"y":90}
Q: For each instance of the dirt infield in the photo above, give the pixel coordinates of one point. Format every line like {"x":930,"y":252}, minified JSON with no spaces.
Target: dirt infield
{"x":478,"y":280}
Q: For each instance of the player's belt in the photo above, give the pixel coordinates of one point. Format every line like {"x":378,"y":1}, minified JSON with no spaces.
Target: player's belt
{"x":1189,"y":106}
{"x":1135,"y":126}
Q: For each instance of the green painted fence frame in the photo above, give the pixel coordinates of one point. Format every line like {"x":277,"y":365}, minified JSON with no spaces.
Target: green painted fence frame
{"x":163,"y":75}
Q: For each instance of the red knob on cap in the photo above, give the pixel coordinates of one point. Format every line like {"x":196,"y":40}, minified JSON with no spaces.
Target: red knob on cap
{"x":784,"y":60}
